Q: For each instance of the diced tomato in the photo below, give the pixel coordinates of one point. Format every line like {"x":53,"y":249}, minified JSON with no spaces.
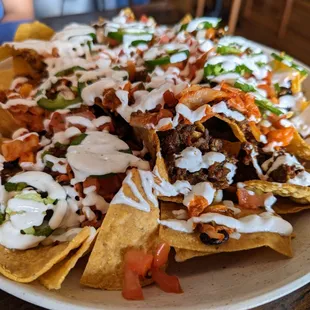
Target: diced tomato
{"x":91,"y":182}
{"x":284,"y":135}
{"x":111,"y":42}
{"x":248,"y":201}
{"x":161,"y":255}
{"x":170,"y":99}
{"x":164,"y":39}
{"x":144,"y":18}
{"x":132,"y":289}
{"x":79,"y":188}
{"x":57,"y":122}
{"x":169,"y":284}
{"x":138,"y":261}
{"x":62,"y":178}
{"x":109,"y":186}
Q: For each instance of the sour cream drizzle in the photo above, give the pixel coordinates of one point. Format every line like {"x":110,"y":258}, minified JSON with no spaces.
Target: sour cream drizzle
{"x":265,"y":222}
{"x":100,"y":154}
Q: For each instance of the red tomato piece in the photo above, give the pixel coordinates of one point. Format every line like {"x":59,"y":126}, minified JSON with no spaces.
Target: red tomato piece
{"x":161,"y":255}
{"x":169,"y":284}
{"x":132,"y":289}
{"x":138,"y":261}
{"x":248,"y":201}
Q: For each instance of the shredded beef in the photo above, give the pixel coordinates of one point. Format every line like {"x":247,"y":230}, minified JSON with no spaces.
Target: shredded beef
{"x":169,"y":141}
{"x":3,"y":97}
{"x":216,"y":145}
{"x":217,"y":174}
{"x":175,"y":140}
{"x":283,"y":173}
{"x":59,"y":150}
{"x":9,"y":170}
{"x":202,"y":144}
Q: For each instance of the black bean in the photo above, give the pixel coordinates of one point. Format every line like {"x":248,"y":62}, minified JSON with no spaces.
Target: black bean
{"x":204,"y":238}
{"x":285,"y":91}
{"x":148,"y":275}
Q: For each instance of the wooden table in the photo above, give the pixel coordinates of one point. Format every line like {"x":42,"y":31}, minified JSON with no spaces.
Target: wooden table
{"x":298,"y":300}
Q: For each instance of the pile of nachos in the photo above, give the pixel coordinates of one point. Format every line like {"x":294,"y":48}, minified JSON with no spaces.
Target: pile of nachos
{"x":124,"y":139}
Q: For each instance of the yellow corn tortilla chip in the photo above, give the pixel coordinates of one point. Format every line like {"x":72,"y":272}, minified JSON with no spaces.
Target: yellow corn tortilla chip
{"x":7,"y":123}
{"x":34,"y":31}
{"x":288,"y":206}
{"x":299,"y":147}
{"x":152,"y":143}
{"x":128,"y":13}
{"x":27,"y":265}
{"x":186,"y":19}
{"x":191,"y":242}
{"x":182,"y":255}
{"x":281,"y":189}
{"x":54,"y":278}
{"x":124,"y":227}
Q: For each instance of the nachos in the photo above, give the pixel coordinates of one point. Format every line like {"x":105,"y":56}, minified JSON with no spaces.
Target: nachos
{"x":124,"y":138}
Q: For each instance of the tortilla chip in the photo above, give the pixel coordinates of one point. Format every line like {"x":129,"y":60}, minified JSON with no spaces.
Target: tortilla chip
{"x":287,"y":206}
{"x":26,"y":266}
{"x":7,"y":123}
{"x":34,"y":31}
{"x":280,"y":189}
{"x":53,"y":279}
{"x":186,"y":19}
{"x":124,"y":227}
{"x":128,"y":13}
{"x":182,"y":255}
{"x":299,"y":147}
{"x":191,"y":242}
{"x":152,"y":143}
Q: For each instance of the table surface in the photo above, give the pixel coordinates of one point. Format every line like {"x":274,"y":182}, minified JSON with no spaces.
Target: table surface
{"x":164,"y":14}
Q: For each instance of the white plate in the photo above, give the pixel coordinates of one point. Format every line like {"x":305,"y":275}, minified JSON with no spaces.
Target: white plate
{"x":232,"y":281}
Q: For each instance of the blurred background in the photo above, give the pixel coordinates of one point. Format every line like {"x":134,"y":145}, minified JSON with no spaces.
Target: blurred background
{"x":281,"y":24}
